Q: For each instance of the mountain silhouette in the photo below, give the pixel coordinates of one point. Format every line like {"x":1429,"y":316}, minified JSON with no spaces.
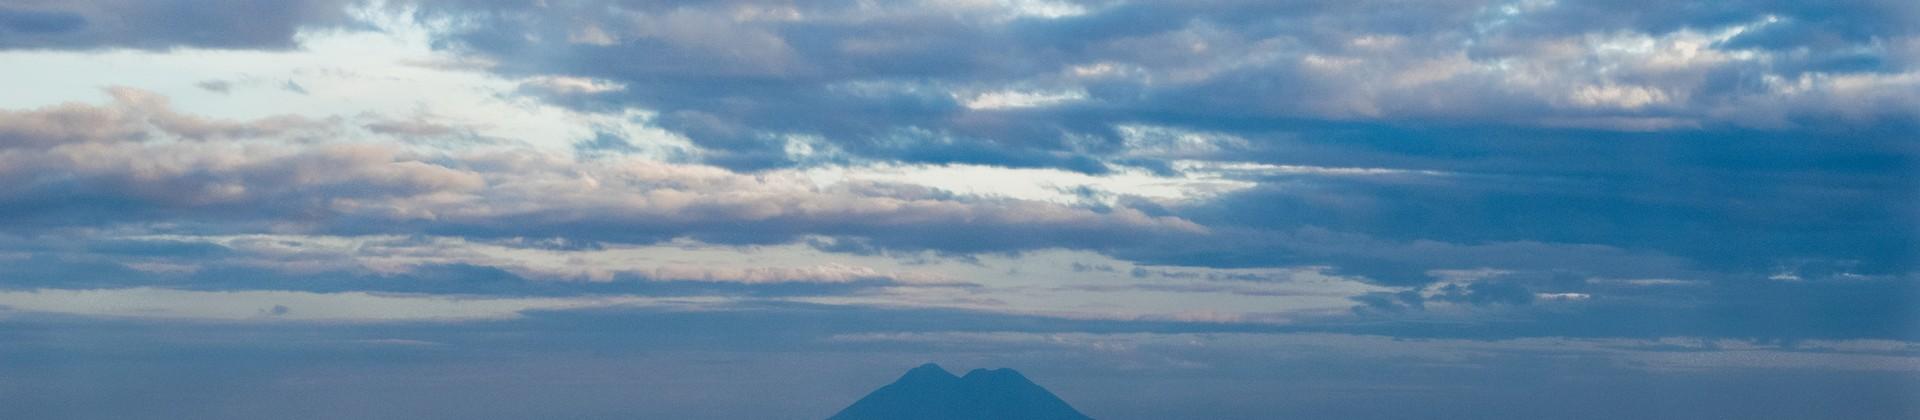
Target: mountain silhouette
{"x":929,"y":392}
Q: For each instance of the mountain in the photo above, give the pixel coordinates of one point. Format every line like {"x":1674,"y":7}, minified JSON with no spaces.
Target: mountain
{"x":929,"y":392}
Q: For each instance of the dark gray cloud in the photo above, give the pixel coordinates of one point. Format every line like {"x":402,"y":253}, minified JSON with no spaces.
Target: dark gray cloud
{"x":35,"y":21}
{"x":1687,"y":157}
{"x":219,"y":86}
{"x":1779,"y":198}
{"x":1592,"y":153}
{"x":1694,"y":209}
{"x":895,"y":82}
{"x":159,"y":25}
{"x":1469,"y":199}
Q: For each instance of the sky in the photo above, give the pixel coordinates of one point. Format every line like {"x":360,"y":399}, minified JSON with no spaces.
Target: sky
{"x":441,"y":209}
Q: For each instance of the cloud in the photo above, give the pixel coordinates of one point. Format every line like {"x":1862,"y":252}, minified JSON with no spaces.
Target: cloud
{"x":649,"y":198}
{"x":270,"y":306}
{"x":564,"y":85}
{"x":415,"y":128}
{"x":137,"y":164}
{"x":1323,"y":199}
{"x":157,"y":25}
{"x":220,"y":86}
{"x":133,"y":116}
{"x":1020,"y":99}
{"x":529,"y":261}
{"x":76,"y":155}
{"x":972,"y":84}
{"x":1218,"y":150}
{"x":1666,"y":354}
{"x":40,"y":22}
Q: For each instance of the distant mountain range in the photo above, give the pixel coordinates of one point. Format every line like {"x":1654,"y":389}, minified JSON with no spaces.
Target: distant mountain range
{"x":929,"y":392}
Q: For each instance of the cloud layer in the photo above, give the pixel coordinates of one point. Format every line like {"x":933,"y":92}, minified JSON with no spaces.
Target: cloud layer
{"x":1179,"y":194}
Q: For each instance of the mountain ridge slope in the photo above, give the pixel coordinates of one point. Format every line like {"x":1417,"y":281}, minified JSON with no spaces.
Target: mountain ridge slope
{"x":929,"y":392}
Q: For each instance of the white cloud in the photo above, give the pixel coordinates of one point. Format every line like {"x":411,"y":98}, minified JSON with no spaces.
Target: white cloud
{"x":234,"y":163}
{"x":391,"y":72}
{"x":1014,"y":99}
{"x":1651,"y":282}
{"x":1246,"y":169}
{"x":1563,"y":297}
{"x":1044,"y":185}
{"x":569,"y":85}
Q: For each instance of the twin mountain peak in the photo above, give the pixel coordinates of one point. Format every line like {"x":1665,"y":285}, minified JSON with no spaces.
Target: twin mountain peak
{"x":929,"y":392}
